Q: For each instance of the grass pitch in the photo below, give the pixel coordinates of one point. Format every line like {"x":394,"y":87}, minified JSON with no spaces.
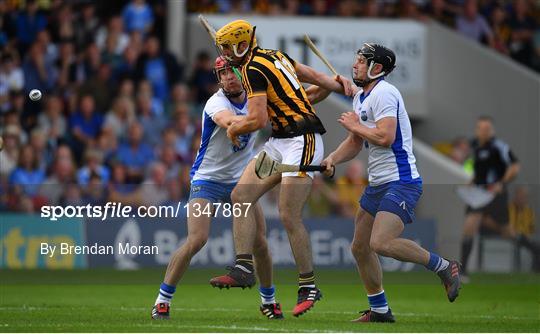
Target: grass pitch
{"x":115,"y":301}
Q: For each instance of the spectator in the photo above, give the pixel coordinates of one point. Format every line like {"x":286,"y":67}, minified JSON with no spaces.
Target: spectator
{"x":501,"y":30}
{"x":95,"y":193}
{"x":52,"y":121}
{"x":11,"y":75}
{"x":120,"y":117}
{"x":156,"y":104}
{"x":50,"y":49}
{"x":135,"y":154}
{"x":180,"y":95}
{"x":319,"y":7}
{"x":87,"y":26}
{"x":438,"y":10}
{"x":61,"y":27}
{"x":460,"y":153}
{"x":495,"y":165}
{"x":127,"y":67}
{"x":138,"y":16}
{"x":28,"y":24}
{"x":38,"y":74}
{"x":27,"y":176}
{"x":184,"y":134}
{"x":523,"y":28}
{"x":152,"y":122}
{"x":66,"y":65}
{"x":9,"y":155}
{"x":348,"y":8}
{"x":44,"y":151}
{"x":170,"y":160}
{"x":203,"y":81}
{"x":159,"y":67}
{"x":371,"y":9}
{"x":153,"y":191}
{"x":119,"y":183}
{"x":99,"y":88}
{"x":93,"y":166}
{"x":62,"y":175}
{"x":473,"y":25}
{"x":115,"y":33}
{"x":522,"y":223}
{"x":323,"y":200}
{"x":85,"y":125}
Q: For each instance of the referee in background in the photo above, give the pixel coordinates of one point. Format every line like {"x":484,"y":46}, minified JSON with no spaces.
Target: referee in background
{"x":494,"y":167}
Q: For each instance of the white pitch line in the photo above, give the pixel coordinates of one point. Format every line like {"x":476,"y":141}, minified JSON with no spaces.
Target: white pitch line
{"x":404,"y":314}
{"x":221,"y":309}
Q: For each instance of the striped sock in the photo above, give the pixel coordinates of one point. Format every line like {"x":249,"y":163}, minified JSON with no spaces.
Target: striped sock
{"x":378,"y":303}
{"x":165,"y":294}
{"x":306,"y":280}
{"x":244,"y":262}
{"x":436,"y":263}
{"x":268,"y":295}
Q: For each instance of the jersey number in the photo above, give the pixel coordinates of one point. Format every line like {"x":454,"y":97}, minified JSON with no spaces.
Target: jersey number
{"x":288,"y":70}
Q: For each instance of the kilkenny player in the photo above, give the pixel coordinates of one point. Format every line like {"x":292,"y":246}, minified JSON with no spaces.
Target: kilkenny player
{"x":273,"y":85}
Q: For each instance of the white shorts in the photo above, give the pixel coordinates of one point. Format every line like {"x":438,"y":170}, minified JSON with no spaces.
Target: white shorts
{"x":306,"y":149}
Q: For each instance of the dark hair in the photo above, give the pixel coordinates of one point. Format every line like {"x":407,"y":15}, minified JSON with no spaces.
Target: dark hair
{"x":485,"y":118}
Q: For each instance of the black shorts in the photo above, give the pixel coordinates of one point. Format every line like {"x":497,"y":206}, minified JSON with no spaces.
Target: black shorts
{"x":497,"y":209}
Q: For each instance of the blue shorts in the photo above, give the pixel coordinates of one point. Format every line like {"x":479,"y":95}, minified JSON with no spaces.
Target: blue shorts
{"x":397,"y":197}
{"x":213,"y":191}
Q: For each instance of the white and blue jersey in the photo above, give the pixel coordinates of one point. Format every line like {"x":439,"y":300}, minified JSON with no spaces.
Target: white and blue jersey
{"x":394,"y":182}
{"x":387,"y":164}
{"x":219,"y":163}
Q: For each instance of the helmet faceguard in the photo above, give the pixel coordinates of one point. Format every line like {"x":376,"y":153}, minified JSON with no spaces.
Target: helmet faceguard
{"x":222,"y":65}
{"x":376,"y":54}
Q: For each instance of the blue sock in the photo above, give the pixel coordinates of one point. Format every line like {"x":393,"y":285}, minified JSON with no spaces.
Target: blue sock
{"x":165,"y":294}
{"x":436,"y":263}
{"x":378,"y":303}
{"x":268,"y":295}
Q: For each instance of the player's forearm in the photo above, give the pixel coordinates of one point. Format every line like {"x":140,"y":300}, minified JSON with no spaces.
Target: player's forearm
{"x":329,"y":84}
{"x":511,"y":173}
{"x":347,"y":150}
{"x":246,"y":125}
{"x":374,"y":136}
{"x":316,"y":94}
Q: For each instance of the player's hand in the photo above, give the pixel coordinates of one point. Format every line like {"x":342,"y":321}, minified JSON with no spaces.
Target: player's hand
{"x":349,"y":120}
{"x":230,"y":134}
{"x":346,"y":83}
{"x":330,"y":166}
{"x":496,"y":188}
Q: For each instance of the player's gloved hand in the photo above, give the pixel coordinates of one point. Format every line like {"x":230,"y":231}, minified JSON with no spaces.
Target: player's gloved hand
{"x":346,"y":83}
{"x":349,"y":120}
{"x":330,"y":167}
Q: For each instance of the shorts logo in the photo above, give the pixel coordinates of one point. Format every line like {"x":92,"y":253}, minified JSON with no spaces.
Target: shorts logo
{"x":403,"y":205}
{"x":195,"y":189}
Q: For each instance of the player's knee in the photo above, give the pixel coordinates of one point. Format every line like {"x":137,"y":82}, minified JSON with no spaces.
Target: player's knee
{"x":289,"y":221}
{"x":379,"y":246}
{"x":360,"y":250}
{"x":196,"y":243}
{"x":240,"y":195}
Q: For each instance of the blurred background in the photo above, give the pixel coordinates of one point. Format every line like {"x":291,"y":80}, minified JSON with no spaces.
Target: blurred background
{"x":124,"y":84}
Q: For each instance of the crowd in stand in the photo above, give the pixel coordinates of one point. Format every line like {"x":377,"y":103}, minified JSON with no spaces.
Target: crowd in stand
{"x":511,"y":27}
{"x":120,"y":116}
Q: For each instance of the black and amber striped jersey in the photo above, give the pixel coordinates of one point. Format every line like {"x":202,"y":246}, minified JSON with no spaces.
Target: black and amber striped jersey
{"x":272,"y":72}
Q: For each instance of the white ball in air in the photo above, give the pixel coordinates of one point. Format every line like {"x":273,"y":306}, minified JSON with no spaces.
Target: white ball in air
{"x":35,"y":95}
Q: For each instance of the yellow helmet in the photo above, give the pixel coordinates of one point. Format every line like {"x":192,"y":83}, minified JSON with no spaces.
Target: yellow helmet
{"x":234,"y":33}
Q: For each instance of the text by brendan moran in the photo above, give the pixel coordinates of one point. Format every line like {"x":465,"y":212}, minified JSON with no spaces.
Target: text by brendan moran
{"x":65,"y":248}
